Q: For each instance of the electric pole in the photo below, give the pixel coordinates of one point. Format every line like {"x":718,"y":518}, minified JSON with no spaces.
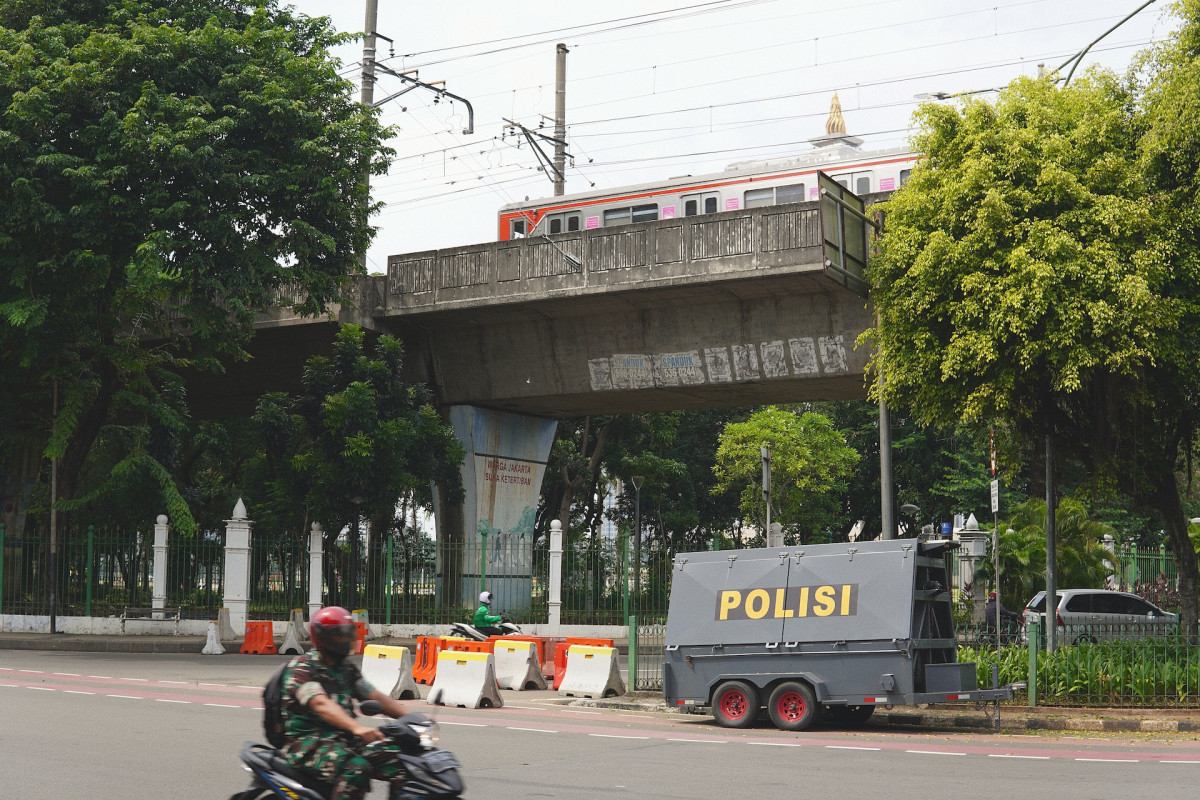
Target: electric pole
{"x":560,"y":119}
{"x":368,"y":95}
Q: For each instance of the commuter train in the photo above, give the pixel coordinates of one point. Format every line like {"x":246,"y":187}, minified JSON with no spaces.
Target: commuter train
{"x":744,"y":184}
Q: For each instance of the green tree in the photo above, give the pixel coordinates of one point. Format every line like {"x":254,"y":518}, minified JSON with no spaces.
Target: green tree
{"x":190,"y":160}
{"x":357,"y":432}
{"x":810,"y":463}
{"x":1022,"y":280}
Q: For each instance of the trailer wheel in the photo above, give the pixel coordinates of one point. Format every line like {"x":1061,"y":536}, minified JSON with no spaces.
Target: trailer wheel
{"x":850,"y":715}
{"x":735,"y":705}
{"x":792,"y":707}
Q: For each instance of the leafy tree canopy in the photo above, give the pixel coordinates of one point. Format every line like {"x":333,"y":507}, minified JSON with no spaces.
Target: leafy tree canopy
{"x":160,"y":161}
{"x":810,"y":462}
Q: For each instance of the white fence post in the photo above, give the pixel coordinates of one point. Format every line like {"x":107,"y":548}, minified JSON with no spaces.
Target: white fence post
{"x":237,"y":568}
{"x":158,"y":597}
{"x":316,"y":567}
{"x":556,"y":551}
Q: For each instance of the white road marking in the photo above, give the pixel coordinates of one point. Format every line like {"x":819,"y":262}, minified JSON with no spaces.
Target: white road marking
{"x":174,"y":683}
{"x":525,"y":708}
{"x":1006,"y":755}
{"x":212,"y":684}
{"x":1111,"y":760}
{"x":123,"y":696}
{"x":225,"y":705}
{"x":101,"y":677}
{"x":140,"y":680}
{"x":182,"y":702}
{"x":75,"y":691}
{"x":849,"y":747}
{"x":775,"y":744}
{"x":531,"y":730}
{"x":934,"y":753}
{"x":615,"y":736}
{"x":465,"y":724}
{"x":31,"y":671}
{"x":1178,"y":762}
{"x":574,"y":711}
{"x":700,"y":741}
{"x":68,"y":674}
{"x":40,"y":688}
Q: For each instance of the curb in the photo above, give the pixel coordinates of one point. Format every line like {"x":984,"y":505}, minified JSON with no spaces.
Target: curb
{"x":103,"y":644}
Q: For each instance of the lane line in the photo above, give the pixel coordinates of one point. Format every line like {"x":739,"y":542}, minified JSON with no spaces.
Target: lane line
{"x":700,"y":741}
{"x":466,"y":724}
{"x":774,"y":744}
{"x":1111,"y":760}
{"x":75,"y":691}
{"x":531,"y":730}
{"x":173,"y":683}
{"x":164,"y":700}
{"x":615,"y":736}
{"x":68,"y":674}
{"x":123,"y":696}
{"x":1007,"y":755}
{"x":849,"y":747}
{"x":574,"y":711}
{"x":1164,"y":761}
{"x":220,"y":705}
{"x":40,"y":688}
{"x":934,"y":753}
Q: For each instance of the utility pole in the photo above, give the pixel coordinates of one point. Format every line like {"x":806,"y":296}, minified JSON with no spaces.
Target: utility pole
{"x":368,"y":94}
{"x":560,"y":119}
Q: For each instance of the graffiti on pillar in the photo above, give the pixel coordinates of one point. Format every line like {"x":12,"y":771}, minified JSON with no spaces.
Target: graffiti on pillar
{"x":730,"y":363}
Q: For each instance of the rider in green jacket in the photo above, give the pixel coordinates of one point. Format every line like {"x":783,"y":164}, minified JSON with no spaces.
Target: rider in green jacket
{"x":485,"y":622}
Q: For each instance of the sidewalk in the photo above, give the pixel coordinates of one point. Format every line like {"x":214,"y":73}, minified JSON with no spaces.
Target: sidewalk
{"x":1013,"y":718}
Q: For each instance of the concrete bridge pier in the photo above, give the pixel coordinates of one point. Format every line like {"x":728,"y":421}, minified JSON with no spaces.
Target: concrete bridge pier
{"x":487,"y":542}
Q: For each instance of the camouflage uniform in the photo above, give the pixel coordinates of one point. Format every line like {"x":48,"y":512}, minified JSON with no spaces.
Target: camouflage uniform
{"x":335,"y":756}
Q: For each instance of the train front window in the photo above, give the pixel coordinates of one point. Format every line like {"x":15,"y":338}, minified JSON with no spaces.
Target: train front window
{"x":754,"y":198}
{"x":790,"y":194}
{"x":518,"y":228}
{"x":556,"y":225}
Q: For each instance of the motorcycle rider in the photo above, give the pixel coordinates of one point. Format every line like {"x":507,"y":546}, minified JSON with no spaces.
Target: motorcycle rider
{"x":484,"y":621}
{"x":322,"y":735}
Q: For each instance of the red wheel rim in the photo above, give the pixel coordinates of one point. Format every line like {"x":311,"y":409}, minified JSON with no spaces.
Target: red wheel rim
{"x":790,"y":706}
{"x":733,"y":705}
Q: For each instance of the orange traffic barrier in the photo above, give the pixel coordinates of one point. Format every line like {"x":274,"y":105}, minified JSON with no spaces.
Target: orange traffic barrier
{"x":259,"y":639}
{"x":468,"y":646}
{"x":360,"y":644}
{"x":421,"y":658}
{"x":560,"y":654}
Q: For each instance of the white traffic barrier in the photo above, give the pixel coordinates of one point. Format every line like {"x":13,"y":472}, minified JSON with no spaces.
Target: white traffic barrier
{"x":389,"y":669}
{"x":517,"y":666}
{"x":301,"y":626}
{"x":592,"y":672}
{"x":291,"y":639}
{"x":465,"y":679}
{"x":213,"y":646}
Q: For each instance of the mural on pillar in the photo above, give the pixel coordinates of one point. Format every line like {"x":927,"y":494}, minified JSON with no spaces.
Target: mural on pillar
{"x":503,"y":480}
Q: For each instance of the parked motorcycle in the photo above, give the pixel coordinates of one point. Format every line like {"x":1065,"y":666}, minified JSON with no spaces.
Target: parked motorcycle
{"x":429,"y":772}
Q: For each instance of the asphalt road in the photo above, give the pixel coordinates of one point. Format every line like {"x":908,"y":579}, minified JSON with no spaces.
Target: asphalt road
{"x":158,"y":726}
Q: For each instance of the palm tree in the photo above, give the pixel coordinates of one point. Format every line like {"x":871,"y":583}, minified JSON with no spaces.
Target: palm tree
{"x":1080,"y":557}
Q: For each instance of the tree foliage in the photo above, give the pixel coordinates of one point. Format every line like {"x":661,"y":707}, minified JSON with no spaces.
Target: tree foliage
{"x":159,"y":162}
{"x":810,"y":462}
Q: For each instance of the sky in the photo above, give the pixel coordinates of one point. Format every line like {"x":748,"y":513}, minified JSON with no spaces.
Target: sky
{"x":660,"y":88}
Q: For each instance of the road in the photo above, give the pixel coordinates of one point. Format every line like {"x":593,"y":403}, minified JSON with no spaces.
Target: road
{"x":157,"y":726}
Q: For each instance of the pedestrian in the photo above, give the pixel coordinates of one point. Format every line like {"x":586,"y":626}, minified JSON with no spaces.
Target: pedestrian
{"x":322,"y":735}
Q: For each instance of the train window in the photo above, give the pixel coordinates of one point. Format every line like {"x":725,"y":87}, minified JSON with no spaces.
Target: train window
{"x":862,"y":184}
{"x":557,"y":223}
{"x":904,"y":173}
{"x":694,"y":204}
{"x":616,"y":216}
{"x":518,"y":228}
{"x":790,"y":194}
{"x":646,"y":213}
{"x":758,"y":197}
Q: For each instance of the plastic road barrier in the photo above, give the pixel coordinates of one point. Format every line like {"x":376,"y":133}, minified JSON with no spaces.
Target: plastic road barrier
{"x":259,"y":639}
{"x":518,"y":666}
{"x":360,"y":629}
{"x":560,"y":654}
{"x":389,"y":669}
{"x":465,"y":679}
{"x":592,"y":672}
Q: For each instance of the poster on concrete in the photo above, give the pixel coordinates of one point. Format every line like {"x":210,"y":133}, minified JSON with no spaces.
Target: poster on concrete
{"x":502,"y":476}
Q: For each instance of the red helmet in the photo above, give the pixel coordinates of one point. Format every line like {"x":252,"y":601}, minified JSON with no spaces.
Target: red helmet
{"x":332,"y":631}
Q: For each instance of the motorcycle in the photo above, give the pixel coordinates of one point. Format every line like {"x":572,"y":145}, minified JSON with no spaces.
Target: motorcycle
{"x":466,"y":630}
{"x":429,"y":772}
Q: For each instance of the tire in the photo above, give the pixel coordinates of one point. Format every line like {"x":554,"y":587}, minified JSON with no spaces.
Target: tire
{"x":735,"y":704}
{"x":850,"y":716}
{"x":792,"y":706}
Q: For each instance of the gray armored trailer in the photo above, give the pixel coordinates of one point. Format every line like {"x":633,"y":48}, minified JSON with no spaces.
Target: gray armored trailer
{"x":815,"y":631}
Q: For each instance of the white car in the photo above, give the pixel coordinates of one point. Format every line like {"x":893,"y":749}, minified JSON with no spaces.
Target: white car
{"x":1092,"y":615}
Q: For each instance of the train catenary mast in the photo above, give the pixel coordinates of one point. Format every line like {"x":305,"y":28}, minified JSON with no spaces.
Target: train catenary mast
{"x":744,"y":184}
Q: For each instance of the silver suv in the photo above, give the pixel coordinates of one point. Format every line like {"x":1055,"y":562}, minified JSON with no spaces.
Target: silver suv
{"x":1092,"y":615}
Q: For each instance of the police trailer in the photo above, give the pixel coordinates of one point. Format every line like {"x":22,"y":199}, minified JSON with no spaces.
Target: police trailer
{"x":816,"y":631}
